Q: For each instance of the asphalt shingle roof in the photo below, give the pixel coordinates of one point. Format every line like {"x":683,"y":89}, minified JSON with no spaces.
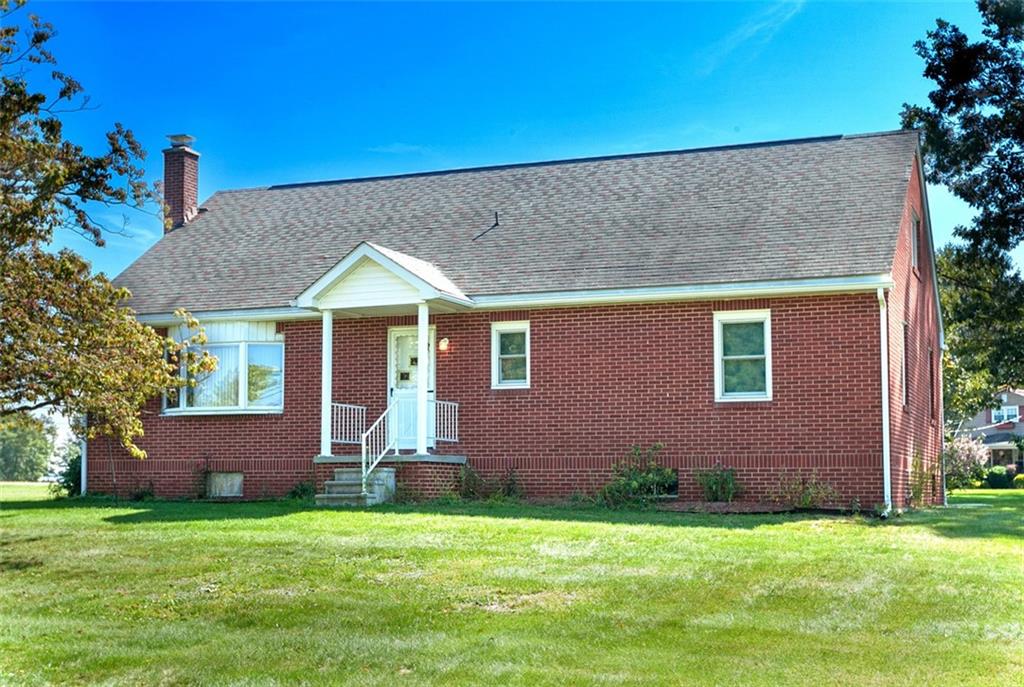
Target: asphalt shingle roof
{"x":825,"y":207}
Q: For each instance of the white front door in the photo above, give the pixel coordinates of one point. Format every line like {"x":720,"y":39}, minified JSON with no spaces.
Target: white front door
{"x":403,"y":375}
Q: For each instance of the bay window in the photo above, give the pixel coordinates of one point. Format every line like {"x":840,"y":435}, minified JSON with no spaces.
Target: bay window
{"x":249,"y":377}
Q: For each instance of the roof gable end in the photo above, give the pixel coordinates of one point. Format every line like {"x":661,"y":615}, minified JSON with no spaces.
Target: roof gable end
{"x":372,"y":275}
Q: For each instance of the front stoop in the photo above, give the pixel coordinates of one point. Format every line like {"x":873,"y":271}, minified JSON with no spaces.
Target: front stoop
{"x":347,"y":486}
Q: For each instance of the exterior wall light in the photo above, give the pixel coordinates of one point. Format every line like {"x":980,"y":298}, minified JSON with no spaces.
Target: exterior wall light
{"x":442,"y":345}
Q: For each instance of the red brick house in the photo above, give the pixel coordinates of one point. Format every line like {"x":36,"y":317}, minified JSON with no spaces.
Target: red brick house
{"x":771,"y":307}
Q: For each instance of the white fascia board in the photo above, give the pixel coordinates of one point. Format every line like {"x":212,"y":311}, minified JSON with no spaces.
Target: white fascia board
{"x":794,"y":287}
{"x":251,"y":315}
{"x":308,"y":298}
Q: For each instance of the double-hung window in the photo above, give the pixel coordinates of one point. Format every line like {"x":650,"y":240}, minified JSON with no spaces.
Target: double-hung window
{"x":1006,"y":414}
{"x":743,"y":355}
{"x":510,"y":355}
{"x":249,"y":378}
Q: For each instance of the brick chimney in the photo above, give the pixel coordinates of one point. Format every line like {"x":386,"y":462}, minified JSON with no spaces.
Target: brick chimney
{"x":181,"y":181}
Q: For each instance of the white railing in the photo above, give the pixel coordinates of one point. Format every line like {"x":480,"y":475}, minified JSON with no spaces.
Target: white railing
{"x":378,"y":440}
{"x":347,"y":423}
{"x":446,"y":420}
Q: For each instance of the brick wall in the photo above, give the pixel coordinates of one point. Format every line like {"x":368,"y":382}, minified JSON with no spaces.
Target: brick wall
{"x":602,"y":378}
{"x":916,"y":425}
{"x":181,"y":184}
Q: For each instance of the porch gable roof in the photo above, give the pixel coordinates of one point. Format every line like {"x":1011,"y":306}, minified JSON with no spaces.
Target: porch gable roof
{"x":373,"y":276}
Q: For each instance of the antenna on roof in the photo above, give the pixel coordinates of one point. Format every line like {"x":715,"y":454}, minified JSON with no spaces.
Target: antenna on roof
{"x":488,"y":228}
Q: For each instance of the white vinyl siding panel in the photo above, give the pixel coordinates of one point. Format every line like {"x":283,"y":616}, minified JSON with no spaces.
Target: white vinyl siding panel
{"x":234,"y":331}
{"x":369,"y":285}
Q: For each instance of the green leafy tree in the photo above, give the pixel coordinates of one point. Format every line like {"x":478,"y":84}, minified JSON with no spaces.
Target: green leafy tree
{"x":68,"y":470}
{"x":26,"y":444}
{"x":973,"y":141}
{"x":67,"y":340}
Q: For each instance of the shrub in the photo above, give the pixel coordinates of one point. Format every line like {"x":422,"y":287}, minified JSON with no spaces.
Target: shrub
{"x":718,"y":483}
{"x":508,"y":487}
{"x":997,"y":478}
{"x":1018,"y":481}
{"x":145,"y":493}
{"x":68,"y":471}
{"x":805,"y":492}
{"x":639,"y":479}
{"x":964,"y":459}
{"x":303,"y":491}
{"x":471,"y":485}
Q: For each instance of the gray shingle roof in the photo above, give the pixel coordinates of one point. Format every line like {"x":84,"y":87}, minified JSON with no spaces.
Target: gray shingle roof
{"x":825,"y":207}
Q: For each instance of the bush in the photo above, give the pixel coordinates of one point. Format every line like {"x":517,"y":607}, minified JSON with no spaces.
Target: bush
{"x":964,"y":459}
{"x":145,"y":493}
{"x":68,"y":471}
{"x":473,"y":487}
{"x":997,"y":478}
{"x":639,"y":479}
{"x":805,"y":492}
{"x":302,"y":491}
{"x":718,"y":483}
{"x":1018,"y":481}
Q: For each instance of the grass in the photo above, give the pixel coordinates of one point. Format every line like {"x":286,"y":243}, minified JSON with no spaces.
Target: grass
{"x":93,"y":591}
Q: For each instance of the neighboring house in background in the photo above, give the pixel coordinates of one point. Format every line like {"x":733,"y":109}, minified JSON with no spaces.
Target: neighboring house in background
{"x":1000,"y":428}
{"x":543,"y":317}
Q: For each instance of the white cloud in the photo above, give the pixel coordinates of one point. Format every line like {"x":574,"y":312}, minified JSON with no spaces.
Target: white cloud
{"x":755,"y":33}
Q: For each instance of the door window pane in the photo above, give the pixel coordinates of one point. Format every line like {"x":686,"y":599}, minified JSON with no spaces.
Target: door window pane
{"x":266,"y":378}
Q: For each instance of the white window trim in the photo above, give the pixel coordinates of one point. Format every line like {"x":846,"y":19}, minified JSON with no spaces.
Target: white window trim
{"x":1002,"y":413}
{"x":243,"y":386}
{"x":734,"y":317}
{"x":498,"y":328}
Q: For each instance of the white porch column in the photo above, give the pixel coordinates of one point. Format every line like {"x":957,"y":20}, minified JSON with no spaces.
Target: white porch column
{"x":326,"y":359}
{"x":422,"y":375}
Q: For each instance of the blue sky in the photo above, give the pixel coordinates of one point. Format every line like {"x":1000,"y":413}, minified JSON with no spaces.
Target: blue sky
{"x":283,"y":93}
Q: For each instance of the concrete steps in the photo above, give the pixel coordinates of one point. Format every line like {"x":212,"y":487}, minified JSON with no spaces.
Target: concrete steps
{"x":346,"y":489}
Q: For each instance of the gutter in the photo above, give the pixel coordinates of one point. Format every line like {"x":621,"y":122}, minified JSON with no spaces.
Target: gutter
{"x":883,"y":341}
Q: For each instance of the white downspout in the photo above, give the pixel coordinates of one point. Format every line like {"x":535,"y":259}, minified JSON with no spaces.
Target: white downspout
{"x":422,"y":375}
{"x":883,"y":335}
{"x":83,"y":451}
{"x":326,"y":375}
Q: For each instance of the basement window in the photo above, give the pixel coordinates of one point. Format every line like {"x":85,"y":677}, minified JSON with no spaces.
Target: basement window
{"x":743,"y":355}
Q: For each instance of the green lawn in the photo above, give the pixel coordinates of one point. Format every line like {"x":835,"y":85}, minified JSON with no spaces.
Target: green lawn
{"x":278,"y":593}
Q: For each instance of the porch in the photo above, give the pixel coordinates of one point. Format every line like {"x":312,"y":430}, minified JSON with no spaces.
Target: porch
{"x":373,"y":282}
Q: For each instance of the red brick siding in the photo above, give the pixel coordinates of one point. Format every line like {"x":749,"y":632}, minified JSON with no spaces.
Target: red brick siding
{"x":912,"y":300}
{"x":602,"y":378}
